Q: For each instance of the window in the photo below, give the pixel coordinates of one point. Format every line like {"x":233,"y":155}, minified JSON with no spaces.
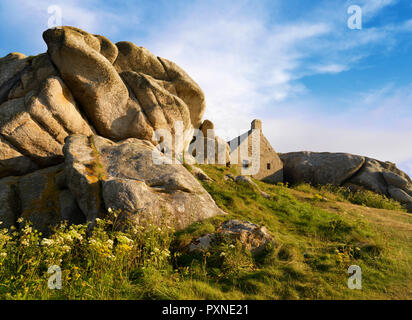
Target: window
{"x":268,"y":166}
{"x":245,"y":163}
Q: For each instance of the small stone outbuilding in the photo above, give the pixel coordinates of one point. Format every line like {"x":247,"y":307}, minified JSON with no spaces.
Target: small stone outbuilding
{"x":270,"y":167}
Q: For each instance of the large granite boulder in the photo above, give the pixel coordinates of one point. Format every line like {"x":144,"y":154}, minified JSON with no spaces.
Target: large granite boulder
{"x":320,"y":168}
{"x":37,"y":197}
{"x":125,"y":90}
{"x":128,"y":176}
{"x":55,"y":109}
{"x":90,"y":76}
{"x":33,"y":127}
{"x":253,"y":237}
{"x":85,"y":84}
{"x":349,"y":170}
{"x":11,"y":67}
{"x":99,"y":175}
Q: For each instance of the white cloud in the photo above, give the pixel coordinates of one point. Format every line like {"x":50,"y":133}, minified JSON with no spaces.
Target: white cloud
{"x":330,"y":68}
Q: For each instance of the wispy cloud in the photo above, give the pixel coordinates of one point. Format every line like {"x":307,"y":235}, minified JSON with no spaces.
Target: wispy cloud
{"x":329,"y":68}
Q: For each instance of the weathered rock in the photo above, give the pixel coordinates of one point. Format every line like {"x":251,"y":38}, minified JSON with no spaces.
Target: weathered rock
{"x":208,"y":129}
{"x":370,"y":177}
{"x":222,"y":151}
{"x":189,"y":159}
{"x":33,"y":128}
{"x":8,"y":205}
{"x":90,"y":76}
{"x":188,"y":90}
{"x":265,"y":195}
{"x":395,"y":180}
{"x":69,"y":210}
{"x":320,"y":168}
{"x":39,"y":198}
{"x":11,"y":67}
{"x":200,"y":174}
{"x":36,"y":198}
{"x":107,"y":48}
{"x":202,"y":243}
{"x":83,"y":173}
{"x":32,"y":78}
{"x":246,"y":180}
{"x":131,"y":181}
{"x":55,"y":103}
{"x":399,"y":195}
{"x":12,"y":162}
{"x":45,"y":98}
{"x":22,"y":131}
{"x":354,"y":172}
{"x":166,"y":73}
{"x":249,"y":182}
{"x":253,"y":237}
{"x":161,"y":108}
{"x":140,"y":60}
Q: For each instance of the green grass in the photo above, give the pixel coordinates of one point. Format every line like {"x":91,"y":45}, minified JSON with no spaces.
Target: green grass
{"x":317,"y":235}
{"x":361,"y":197}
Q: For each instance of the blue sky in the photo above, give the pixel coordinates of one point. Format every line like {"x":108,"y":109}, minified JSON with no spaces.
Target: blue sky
{"x":316,"y":84}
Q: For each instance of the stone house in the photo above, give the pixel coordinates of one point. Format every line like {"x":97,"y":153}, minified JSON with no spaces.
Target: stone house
{"x":253,"y":152}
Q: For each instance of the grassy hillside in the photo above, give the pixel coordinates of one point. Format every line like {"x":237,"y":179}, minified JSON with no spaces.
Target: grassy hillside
{"x":318,"y":233}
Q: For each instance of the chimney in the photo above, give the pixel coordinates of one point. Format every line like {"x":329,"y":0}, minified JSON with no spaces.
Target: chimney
{"x":256,"y":124}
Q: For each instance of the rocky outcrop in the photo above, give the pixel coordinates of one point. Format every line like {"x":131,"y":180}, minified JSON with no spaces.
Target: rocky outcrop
{"x":199,"y":174}
{"x":33,"y":127}
{"x":38,"y":70}
{"x":99,"y":175}
{"x":8,"y":208}
{"x":253,"y":237}
{"x":122,"y":176}
{"x":90,"y":76}
{"x":125,"y":90}
{"x":349,"y":170}
{"x":36,"y":197}
{"x":86,"y":84}
{"x":52,"y":106}
{"x":320,"y":168}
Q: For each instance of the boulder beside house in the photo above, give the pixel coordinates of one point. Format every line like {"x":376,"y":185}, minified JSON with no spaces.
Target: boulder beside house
{"x":253,"y":152}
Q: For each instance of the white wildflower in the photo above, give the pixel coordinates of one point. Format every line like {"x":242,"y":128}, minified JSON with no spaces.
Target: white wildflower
{"x":46,"y":242}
